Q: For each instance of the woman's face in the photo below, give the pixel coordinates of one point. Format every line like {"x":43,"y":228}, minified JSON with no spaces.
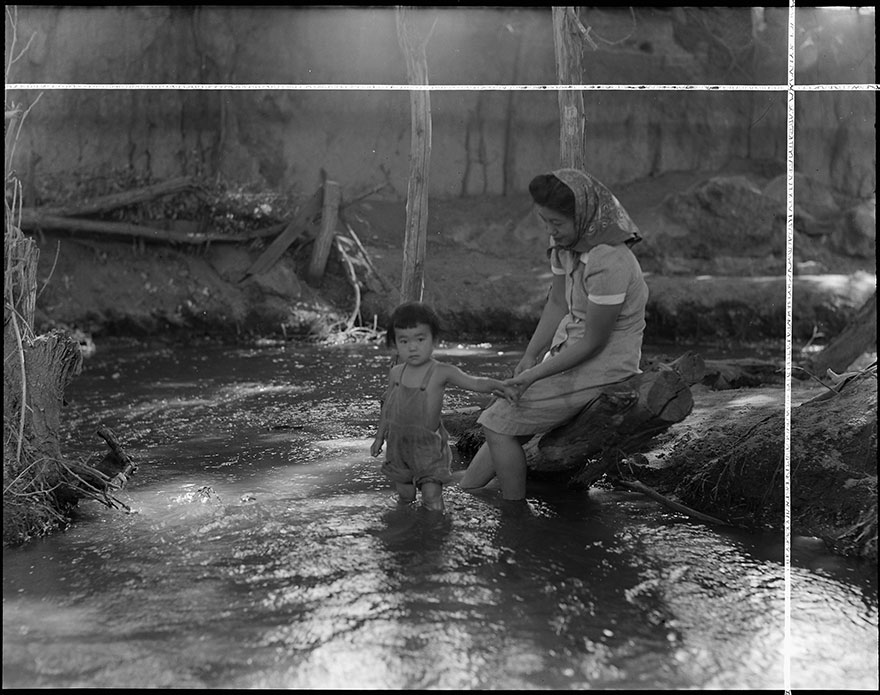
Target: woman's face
{"x":560,"y":227}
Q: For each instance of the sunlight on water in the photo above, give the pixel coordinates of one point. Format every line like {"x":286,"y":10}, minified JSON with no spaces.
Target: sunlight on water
{"x":266,"y":550}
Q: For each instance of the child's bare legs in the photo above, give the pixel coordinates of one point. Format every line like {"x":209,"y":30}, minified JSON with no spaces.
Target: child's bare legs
{"x":406,"y":492}
{"x":432,"y":496}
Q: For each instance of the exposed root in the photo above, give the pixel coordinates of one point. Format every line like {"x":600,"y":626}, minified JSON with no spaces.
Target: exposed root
{"x":352,"y":329}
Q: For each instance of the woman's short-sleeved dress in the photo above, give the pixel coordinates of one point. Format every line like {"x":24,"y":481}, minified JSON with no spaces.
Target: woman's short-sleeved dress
{"x":605,"y":275}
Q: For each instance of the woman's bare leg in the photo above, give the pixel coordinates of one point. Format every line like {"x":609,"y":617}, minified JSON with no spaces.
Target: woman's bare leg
{"x":480,"y":470}
{"x":511,"y":469}
{"x":510,"y":463}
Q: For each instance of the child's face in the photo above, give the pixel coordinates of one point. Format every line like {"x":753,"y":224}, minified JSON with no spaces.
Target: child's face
{"x":560,"y":227}
{"x":414,"y":345}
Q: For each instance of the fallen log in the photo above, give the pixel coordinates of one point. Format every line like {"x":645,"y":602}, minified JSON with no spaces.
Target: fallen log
{"x":76,"y":224}
{"x":113,"y":201}
{"x":721,"y":375}
{"x":624,"y":417}
{"x":859,"y":336}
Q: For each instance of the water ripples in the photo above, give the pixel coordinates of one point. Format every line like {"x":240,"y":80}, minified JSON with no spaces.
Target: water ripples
{"x":267,"y":550}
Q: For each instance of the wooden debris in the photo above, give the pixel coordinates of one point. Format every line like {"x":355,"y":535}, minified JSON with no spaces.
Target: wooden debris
{"x":112,"y":201}
{"x":127,"y":463}
{"x":637,"y":486}
{"x":859,"y":336}
{"x":329,"y":221}
{"x":299,"y":225}
{"x":76,"y":224}
{"x":372,"y":271}
{"x":741,"y":373}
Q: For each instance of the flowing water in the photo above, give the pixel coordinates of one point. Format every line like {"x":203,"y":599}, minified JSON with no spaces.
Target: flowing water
{"x":265,"y":549}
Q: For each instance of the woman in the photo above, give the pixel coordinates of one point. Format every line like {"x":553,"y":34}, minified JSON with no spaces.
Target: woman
{"x":590,"y":331}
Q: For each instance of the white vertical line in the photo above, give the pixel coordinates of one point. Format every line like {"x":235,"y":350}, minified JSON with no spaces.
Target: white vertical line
{"x":789,"y":244}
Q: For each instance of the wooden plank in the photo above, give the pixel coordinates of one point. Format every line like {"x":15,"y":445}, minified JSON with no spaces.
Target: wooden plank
{"x":300,"y":224}
{"x":329,"y":220}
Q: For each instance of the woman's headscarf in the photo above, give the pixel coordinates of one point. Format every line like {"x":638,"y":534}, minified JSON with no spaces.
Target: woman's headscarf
{"x":599,"y":216}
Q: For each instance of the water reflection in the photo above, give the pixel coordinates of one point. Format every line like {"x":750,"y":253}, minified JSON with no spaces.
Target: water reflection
{"x":278,"y":557}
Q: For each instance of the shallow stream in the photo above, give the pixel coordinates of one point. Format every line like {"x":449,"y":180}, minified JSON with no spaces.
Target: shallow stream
{"x":265,"y":549}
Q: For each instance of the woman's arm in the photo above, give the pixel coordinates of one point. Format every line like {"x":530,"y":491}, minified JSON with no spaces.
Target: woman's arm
{"x":554,"y":309}
{"x":599,"y":320}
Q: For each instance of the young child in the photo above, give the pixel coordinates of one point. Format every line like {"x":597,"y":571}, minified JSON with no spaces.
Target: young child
{"x":418,"y":453}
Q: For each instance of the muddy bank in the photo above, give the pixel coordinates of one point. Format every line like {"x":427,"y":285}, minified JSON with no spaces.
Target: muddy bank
{"x":727,"y":460}
{"x":486,"y":272}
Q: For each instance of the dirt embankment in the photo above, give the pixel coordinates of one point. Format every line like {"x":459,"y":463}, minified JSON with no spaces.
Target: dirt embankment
{"x":711,"y":279}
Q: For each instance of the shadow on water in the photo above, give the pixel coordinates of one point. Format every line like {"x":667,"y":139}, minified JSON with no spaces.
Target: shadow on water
{"x":266,"y":550}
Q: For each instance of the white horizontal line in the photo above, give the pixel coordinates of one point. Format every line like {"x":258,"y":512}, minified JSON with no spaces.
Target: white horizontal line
{"x":445,"y":88}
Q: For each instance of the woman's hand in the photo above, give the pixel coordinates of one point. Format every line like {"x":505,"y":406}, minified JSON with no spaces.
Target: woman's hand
{"x":509,"y":393}
{"x":526,"y":362}
{"x":376,"y":447}
{"x":519,"y":383}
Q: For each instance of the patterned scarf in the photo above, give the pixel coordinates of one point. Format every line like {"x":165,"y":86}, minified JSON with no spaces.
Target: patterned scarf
{"x":599,"y":216}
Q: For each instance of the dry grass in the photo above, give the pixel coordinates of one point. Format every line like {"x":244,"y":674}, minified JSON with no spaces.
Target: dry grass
{"x":39,"y":490}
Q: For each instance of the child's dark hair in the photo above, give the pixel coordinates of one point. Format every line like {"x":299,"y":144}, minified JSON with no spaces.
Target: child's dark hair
{"x":409,"y":315}
{"x":549,"y":192}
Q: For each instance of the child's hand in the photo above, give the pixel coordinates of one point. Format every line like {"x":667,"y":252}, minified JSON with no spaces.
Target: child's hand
{"x":376,"y":447}
{"x":513,"y":389}
{"x":509,"y":393}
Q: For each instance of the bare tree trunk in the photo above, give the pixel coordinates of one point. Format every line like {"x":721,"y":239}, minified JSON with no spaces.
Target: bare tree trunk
{"x":569,"y":71}
{"x":509,"y":169}
{"x":413,"y":45}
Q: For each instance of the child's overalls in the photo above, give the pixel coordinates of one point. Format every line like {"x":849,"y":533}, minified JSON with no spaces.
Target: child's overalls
{"x":413,"y":453}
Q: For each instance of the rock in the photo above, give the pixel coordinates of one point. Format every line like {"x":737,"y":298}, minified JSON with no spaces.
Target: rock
{"x":856,"y":235}
{"x":728,"y":215}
